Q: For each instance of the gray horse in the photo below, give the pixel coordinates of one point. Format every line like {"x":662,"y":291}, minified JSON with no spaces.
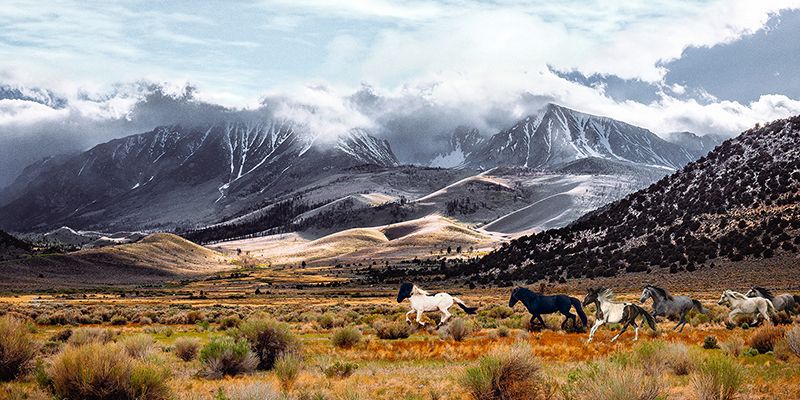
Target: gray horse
{"x":667,"y":305}
{"x":785,"y":302}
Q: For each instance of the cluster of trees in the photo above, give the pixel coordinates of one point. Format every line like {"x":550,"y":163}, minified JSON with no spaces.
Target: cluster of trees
{"x":463,"y":206}
{"x":739,"y":201}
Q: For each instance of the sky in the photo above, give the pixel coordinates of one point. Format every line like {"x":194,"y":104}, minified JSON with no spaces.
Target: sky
{"x":74,"y":74}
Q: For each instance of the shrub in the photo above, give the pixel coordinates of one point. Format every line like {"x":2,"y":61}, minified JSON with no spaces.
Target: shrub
{"x":227,"y":357}
{"x":508,"y":373}
{"x":104,"y":371}
{"x":612,"y":381}
{"x":733,"y":346}
{"x":458,"y":329}
{"x":138,"y":346}
{"x":392,"y":330}
{"x":503,"y":331}
{"x":287,"y":369}
{"x":764,"y":338}
{"x":61,"y":336}
{"x":230,"y":322}
{"x":678,"y":359}
{"x":84,"y":336}
{"x":194,"y":316}
{"x":346,"y":338}
{"x":793,"y":340}
{"x":339,"y":369}
{"x":17,"y":347}
{"x":326,"y":321}
{"x":782,"y":351}
{"x":710,"y":343}
{"x":717,"y":378}
{"x":651,"y":356}
{"x":119,"y":320}
{"x":269,"y":340}
{"x":186,"y":348}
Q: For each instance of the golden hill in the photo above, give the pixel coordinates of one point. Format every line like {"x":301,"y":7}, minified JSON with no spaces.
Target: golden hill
{"x":157,"y":258}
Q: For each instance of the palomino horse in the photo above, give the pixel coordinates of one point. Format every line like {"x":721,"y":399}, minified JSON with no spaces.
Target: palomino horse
{"x":741,"y":304}
{"x":422,"y":301}
{"x":667,"y":305}
{"x":613,"y":312}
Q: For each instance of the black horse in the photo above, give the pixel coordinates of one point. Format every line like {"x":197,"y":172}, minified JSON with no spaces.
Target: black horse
{"x":538,"y":304}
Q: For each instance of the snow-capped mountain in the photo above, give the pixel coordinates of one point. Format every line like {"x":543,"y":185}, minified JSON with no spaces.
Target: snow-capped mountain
{"x":179,"y":174}
{"x":557,"y":135}
{"x":697,"y":145}
{"x":36,"y":95}
{"x":463,"y":142}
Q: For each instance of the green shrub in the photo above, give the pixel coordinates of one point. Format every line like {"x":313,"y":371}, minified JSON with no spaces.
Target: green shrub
{"x":718,"y":378}
{"x":229,"y":322}
{"x":17,"y":348}
{"x":710,"y":343}
{"x":97,"y":371}
{"x":268,"y":339}
{"x":392,"y":330}
{"x":326,"y":321}
{"x":339,"y":369}
{"x":186,"y":348}
{"x":226,"y":356}
{"x":287,"y":369}
{"x":503,"y":331}
{"x":509,"y":373}
{"x":346,"y":338}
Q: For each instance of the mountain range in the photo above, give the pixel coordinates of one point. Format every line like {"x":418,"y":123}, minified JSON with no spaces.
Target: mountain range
{"x":737,"y":204}
{"x":554,"y":166}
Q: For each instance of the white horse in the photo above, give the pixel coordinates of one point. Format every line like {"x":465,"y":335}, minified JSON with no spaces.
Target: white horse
{"x":741,"y":304}
{"x":612,"y":312}
{"x":422,"y":301}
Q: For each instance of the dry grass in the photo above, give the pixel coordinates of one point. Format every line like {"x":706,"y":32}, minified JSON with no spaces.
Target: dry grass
{"x":793,"y":340}
{"x":17,"y":347}
{"x":610,"y":381}
{"x":765,"y":338}
{"x":718,"y":378}
{"x":507,"y":373}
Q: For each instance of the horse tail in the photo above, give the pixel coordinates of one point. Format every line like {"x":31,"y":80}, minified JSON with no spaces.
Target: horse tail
{"x":771,"y":308}
{"x":647,"y":317}
{"x":699,"y":307}
{"x":577,"y":304}
{"x":468,"y":310}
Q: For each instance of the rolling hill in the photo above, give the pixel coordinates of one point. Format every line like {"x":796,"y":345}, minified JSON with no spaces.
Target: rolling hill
{"x":156,"y":259}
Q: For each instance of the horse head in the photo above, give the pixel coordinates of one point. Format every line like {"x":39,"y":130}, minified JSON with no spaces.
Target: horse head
{"x":758,"y":291}
{"x":723,"y":300}
{"x":513,"y":300}
{"x":591,"y":295}
{"x":404,"y":292}
{"x":645,"y":294}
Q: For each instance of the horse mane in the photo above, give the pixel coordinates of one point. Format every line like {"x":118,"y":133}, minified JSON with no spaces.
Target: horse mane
{"x":524,"y":291}
{"x":663,"y":292}
{"x":736,"y":295}
{"x":420,"y":291}
{"x":764,"y":292}
{"x":605,"y":294}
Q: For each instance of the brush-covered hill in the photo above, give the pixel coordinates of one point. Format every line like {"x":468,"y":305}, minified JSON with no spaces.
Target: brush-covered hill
{"x":156,"y":258}
{"x":12,"y":248}
{"x":739,"y":203}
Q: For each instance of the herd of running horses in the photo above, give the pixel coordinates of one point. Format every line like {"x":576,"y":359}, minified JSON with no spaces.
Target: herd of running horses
{"x":758,"y":302}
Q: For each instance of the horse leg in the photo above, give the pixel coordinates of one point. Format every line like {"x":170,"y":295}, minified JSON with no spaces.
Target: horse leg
{"x":541,"y":321}
{"x":594,"y":329}
{"x":732,"y":314}
{"x":636,"y":330}
{"x":409,"y":313}
{"x":569,"y":316}
{"x":447,"y":316}
{"x":621,"y":331}
{"x":419,"y":318}
{"x":681,"y":322}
